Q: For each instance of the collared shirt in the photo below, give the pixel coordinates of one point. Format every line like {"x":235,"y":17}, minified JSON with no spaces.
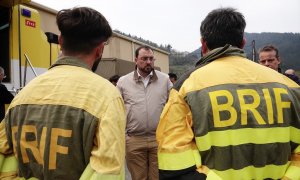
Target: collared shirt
{"x":146,"y":79}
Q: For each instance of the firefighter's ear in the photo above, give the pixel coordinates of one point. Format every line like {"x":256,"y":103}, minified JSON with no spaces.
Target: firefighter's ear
{"x":60,"y":40}
{"x":99,"y":49}
{"x":102,"y":45}
{"x":243,"y":43}
{"x":204,"y":48}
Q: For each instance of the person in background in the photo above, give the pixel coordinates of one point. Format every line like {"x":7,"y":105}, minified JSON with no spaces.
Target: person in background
{"x":114,"y":79}
{"x":76,"y":129}
{"x":229,"y":117}
{"x":292,"y":75}
{"x":5,"y":96}
{"x":269,"y":57}
{"x":173,"y":77}
{"x":290,"y":71}
{"x":145,"y":92}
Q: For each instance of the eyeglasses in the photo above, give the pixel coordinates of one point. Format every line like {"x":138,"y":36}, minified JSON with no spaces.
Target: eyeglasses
{"x":147,"y":58}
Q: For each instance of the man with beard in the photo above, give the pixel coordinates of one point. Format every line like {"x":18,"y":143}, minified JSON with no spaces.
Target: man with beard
{"x":69,"y":120}
{"x":145,"y":92}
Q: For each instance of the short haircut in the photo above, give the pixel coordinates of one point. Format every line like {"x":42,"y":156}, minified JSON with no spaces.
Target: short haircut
{"x":114,"y":78}
{"x":269,"y":48}
{"x":173,"y":75}
{"x":142,"y":47}
{"x":223,"y":26}
{"x":82,"y":29}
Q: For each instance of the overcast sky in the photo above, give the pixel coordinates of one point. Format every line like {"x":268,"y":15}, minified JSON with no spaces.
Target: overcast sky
{"x":177,"y":22}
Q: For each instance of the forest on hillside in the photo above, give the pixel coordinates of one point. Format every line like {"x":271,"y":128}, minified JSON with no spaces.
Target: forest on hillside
{"x":165,"y":47}
{"x":288,"y":45}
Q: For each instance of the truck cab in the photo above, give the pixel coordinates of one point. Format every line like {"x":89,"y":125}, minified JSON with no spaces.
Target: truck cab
{"x":26,"y":50}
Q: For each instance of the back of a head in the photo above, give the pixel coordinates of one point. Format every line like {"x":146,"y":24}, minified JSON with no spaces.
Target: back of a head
{"x":290,"y":71}
{"x":82,"y":29}
{"x":223,"y":26}
{"x":114,"y":78}
{"x":173,"y":75}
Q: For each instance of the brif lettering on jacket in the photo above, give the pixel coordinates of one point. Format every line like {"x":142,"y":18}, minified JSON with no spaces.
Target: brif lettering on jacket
{"x":271,"y":101}
{"x":28,"y":143}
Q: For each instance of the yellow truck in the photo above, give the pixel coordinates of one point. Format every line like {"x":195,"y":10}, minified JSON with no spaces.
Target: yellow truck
{"x":25,"y":50}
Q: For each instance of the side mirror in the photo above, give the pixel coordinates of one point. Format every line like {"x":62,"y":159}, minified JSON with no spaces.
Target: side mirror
{"x":51,"y":37}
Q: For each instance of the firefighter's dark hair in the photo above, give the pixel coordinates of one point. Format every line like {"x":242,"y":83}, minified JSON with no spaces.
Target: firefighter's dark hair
{"x":223,"y":26}
{"x":82,"y":29}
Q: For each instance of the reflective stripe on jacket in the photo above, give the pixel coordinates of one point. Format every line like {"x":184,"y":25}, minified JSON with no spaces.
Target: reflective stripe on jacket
{"x":65,"y":119}
{"x":234,"y":119}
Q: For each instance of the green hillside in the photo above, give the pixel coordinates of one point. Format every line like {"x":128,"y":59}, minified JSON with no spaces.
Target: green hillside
{"x":288,"y":45}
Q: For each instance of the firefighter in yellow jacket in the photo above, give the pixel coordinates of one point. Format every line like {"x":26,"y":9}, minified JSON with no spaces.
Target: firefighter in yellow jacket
{"x":68,"y":122}
{"x":229,"y":118}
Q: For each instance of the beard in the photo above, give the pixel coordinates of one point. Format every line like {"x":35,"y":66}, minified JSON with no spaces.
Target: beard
{"x":147,"y":69}
{"x":96,"y":63}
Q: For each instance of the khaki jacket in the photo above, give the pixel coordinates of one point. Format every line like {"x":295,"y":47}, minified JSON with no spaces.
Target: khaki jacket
{"x":144,"y":104}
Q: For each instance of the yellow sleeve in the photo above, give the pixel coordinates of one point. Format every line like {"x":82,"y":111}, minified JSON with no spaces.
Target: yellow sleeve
{"x":91,"y":174}
{"x":8,"y":162}
{"x":108,"y":154}
{"x":176,"y":145}
{"x":178,"y":155}
{"x":4,"y":147}
{"x":293,"y":171}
